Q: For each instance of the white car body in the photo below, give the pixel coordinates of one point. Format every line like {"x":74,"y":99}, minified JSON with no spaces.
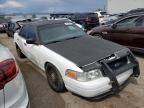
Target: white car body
{"x":14,"y":93}
{"x":104,"y":18}
{"x":40,"y":55}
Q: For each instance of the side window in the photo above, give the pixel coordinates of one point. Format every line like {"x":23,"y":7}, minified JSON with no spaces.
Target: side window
{"x":23,"y":31}
{"x":140,"y":21}
{"x":31,"y":33}
{"x":128,"y":22}
{"x":11,"y":26}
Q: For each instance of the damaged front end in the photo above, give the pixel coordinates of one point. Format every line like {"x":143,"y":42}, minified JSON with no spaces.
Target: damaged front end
{"x":114,"y":66}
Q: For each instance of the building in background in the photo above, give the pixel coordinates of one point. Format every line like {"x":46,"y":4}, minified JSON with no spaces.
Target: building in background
{"x":123,"y":6}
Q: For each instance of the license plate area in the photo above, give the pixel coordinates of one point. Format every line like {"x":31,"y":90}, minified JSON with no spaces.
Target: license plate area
{"x":116,"y":65}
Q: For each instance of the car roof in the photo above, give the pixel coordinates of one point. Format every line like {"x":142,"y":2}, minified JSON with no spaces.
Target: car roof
{"x":134,"y":14}
{"x":47,"y":22}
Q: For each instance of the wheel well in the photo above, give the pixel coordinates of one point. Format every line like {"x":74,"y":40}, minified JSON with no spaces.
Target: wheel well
{"x":48,"y":64}
{"x":16,"y":45}
{"x":51,"y":65}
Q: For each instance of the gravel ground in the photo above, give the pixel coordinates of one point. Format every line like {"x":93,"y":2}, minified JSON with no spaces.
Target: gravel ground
{"x":41,"y":95}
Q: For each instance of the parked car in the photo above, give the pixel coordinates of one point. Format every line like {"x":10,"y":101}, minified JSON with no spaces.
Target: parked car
{"x":87,"y":20}
{"x":14,"y":25}
{"x":87,"y":66}
{"x":13,"y":93}
{"x":2,"y":28}
{"x":128,"y":31}
{"x":104,"y":17}
{"x":3,"y":24}
{"x":135,"y":11}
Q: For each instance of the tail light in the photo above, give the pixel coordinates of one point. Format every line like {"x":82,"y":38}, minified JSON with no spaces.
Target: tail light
{"x":8,"y":71}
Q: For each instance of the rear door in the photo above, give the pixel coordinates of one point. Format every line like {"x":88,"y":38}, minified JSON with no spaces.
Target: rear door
{"x":121,"y":34}
{"x":137,"y":34}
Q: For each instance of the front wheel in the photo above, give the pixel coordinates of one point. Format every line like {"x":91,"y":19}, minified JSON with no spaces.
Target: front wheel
{"x":54,"y":78}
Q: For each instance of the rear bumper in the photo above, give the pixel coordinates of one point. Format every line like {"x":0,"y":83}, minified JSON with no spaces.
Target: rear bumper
{"x":16,"y":95}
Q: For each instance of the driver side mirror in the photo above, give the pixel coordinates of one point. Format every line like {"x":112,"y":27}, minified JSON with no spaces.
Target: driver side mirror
{"x":114,"y":26}
{"x":30,"y":41}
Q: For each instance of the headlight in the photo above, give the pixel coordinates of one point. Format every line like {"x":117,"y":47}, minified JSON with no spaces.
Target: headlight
{"x":84,"y":76}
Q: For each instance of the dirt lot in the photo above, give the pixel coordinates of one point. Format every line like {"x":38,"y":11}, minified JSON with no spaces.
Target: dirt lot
{"x":41,"y":95}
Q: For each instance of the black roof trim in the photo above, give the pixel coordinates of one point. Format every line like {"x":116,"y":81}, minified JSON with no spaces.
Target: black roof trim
{"x":45,"y":22}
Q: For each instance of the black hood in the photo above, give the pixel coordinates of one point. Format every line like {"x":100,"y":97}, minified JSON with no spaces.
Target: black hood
{"x":85,"y":49}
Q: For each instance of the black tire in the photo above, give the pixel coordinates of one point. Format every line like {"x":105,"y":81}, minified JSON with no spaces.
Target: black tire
{"x":19,"y":53}
{"x":98,"y":36}
{"x":54,"y":78}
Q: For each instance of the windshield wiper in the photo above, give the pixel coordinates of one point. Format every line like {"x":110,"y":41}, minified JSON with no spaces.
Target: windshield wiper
{"x":54,"y":41}
{"x":63,"y":40}
{"x":72,"y":38}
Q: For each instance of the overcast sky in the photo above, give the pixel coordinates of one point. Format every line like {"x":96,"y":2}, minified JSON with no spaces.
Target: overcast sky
{"x":28,"y":6}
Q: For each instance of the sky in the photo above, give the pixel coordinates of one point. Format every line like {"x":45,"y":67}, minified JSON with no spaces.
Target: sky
{"x":42,"y":6}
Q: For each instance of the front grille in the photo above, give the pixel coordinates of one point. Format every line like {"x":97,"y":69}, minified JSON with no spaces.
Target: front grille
{"x":114,"y":65}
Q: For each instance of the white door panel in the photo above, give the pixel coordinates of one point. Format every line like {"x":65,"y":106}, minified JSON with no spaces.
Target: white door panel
{"x":17,"y":39}
{"x":32,"y":51}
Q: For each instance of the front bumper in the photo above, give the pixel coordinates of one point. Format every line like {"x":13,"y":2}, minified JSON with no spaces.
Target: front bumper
{"x":112,"y":82}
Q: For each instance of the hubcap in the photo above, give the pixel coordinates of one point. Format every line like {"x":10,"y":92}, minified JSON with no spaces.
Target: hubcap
{"x":53,"y":78}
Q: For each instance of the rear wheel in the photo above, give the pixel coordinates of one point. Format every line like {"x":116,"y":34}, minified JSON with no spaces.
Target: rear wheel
{"x":19,"y":53}
{"x":54,"y":78}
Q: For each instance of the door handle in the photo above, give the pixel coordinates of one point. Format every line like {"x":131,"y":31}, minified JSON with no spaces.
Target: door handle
{"x":25,"y":44}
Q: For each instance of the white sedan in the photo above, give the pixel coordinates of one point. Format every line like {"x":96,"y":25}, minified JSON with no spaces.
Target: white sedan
{"x":13,"y":93}
{"x":87,"y":66}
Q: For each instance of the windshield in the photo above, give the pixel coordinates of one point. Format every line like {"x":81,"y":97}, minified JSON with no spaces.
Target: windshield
{"x":59,"y":32}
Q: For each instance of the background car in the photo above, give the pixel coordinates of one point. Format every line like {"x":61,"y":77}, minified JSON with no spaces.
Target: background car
{"x":135,"y":11}
{"x":87,"y":20}
{"x":3,"y":25}
{"x":128,"y":31}
{"x":13,"y":93}
{"x":2,"y":28}
{"x":14,"y":25}
{"x":104,"y":17}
